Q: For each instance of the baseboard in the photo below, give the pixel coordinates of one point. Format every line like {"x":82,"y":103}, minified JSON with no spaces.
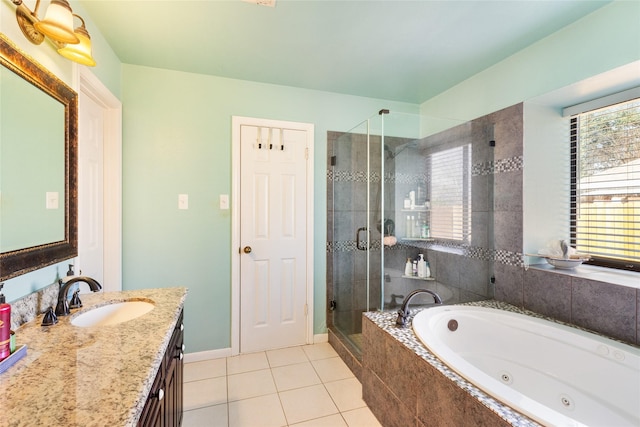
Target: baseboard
{"x":207,"y":355}
{"x":318,"y":338}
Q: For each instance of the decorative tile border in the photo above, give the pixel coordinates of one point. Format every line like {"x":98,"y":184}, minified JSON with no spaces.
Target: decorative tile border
{"x":351,"y":176}
{"x":389,"y":177}
{"x":407,"y":178}
{"x":386,"y":321}
{"x":509,"y":165}
{"x":481,"y":169}
{"x":514,"y":259}
{"x":350,"y":246}
{"x":498,"y":166}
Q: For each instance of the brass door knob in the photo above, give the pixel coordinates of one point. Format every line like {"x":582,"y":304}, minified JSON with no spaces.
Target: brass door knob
{"x":247,"y":249}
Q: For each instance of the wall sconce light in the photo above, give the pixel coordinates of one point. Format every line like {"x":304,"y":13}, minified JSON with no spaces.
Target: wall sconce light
{"x":58,"y":26}
{"x":80,"y":52}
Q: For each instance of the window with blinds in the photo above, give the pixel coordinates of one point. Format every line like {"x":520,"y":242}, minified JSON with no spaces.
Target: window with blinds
{"x":605,"y":184}
{"x":450,"y":194}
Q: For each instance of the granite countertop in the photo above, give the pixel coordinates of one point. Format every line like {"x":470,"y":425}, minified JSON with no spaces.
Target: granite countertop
{"x":94,"y":376}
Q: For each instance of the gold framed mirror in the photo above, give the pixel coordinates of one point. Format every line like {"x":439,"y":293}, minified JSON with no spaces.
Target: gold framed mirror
{"x":38,"y":165}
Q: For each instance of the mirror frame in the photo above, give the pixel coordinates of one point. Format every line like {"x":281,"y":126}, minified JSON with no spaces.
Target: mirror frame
{"x":21,"y":261}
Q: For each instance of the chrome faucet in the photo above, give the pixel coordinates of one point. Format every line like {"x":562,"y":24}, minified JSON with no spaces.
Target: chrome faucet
{"x":62,"y":309}
{"x":403,"y":313}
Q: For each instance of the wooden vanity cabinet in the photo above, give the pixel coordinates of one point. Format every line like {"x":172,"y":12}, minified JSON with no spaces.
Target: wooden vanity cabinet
{"x":164,"y":403}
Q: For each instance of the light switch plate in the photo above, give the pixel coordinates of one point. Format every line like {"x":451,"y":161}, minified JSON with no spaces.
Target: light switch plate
{"x":224,"y":201}
{"x":183,"y":201}
{"x":52,"y":200}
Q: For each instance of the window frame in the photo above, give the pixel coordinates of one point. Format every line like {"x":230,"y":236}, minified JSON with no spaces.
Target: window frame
{"x":574,"y":199}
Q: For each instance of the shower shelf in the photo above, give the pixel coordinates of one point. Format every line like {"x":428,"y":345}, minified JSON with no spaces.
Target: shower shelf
{"x":419,"y":210}
{"x":418,"y":278}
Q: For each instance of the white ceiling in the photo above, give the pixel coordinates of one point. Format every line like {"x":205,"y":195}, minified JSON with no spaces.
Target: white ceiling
{"x":389,"y":49}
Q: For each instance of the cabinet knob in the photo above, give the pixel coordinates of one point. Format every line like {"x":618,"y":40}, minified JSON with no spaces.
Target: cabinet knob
{"x":181,"y":326}
{"x":181,"y":355}
{"x":160,"y":394}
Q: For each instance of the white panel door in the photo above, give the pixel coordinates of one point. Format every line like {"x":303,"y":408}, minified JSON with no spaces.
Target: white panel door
{"x":273,"y":288}
{"x":90,"y":188}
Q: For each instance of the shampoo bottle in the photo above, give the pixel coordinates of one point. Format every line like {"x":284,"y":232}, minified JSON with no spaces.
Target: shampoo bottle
{"x":408,"y":267}
{"x":5,"y":326}
{"x":422,"y":266}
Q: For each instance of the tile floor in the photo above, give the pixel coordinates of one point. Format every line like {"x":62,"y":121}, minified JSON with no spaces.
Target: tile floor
{"x":299,"y":386}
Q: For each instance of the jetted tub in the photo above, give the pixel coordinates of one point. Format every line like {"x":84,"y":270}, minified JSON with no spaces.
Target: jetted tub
{"x":555,"y":374}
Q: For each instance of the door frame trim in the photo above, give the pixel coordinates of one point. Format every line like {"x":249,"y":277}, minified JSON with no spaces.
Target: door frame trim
{"x":236,"y":122}
{"x":91,"y":86}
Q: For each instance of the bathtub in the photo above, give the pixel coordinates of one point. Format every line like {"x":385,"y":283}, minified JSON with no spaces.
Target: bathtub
{"x":554,"y":374}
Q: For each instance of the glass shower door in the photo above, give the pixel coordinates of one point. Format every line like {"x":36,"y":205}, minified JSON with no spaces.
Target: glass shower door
{"x":354,"y":238}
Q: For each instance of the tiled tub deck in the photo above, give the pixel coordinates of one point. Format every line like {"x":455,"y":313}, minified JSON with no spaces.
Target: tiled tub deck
{"x":404,"y":384}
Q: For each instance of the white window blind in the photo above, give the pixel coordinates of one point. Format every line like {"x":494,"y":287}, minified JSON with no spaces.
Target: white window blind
{"x":605,"y":217}
{"x":450,"y":194}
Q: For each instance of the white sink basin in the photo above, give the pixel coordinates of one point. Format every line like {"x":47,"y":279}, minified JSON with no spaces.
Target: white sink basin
{"x":112,"y":314}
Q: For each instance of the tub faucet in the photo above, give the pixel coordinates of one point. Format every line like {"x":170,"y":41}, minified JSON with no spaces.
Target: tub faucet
{"x":403,"y":313}
{"x":62,"y":309}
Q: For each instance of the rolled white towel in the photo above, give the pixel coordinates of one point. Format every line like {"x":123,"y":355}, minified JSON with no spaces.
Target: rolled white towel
{"x":389,"y":240}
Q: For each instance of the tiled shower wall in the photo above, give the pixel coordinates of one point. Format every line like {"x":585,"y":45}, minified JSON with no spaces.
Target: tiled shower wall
{"x":597,"y":305}
{"x":497,"y":224}
{"x":462,"y":270}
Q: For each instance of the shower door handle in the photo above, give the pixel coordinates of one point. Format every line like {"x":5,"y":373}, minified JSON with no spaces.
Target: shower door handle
{"x":358,"y":239}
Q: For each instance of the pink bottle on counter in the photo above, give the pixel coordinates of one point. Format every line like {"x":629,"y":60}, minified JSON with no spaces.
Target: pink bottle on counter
{"x":5,"y":327}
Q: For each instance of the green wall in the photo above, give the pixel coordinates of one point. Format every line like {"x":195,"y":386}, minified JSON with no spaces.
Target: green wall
{"x":603,"y":40}
{"x":177,"y":133}
{"x":108,"y":70}
{"x":177,"y":139}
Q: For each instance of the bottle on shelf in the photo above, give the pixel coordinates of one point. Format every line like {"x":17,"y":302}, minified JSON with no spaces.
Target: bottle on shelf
{"x":422,"y":266}
{"x":407,"y":231}
{"x":420,"y":195}
{"x":424,"y":230}
{"x":408,"y":268}
{"x":412,"y":228}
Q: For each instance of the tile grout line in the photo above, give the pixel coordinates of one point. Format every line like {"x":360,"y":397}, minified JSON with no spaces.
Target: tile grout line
{"x":286,"y":419}
{"x":278,"y":392}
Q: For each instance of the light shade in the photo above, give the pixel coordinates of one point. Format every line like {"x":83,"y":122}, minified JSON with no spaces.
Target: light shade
{"x":81,"y":52}
{"x":58,"y":23}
